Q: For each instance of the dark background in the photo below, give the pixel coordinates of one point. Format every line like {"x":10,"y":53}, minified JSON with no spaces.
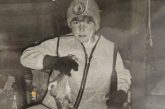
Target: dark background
{"x":25,"y":23}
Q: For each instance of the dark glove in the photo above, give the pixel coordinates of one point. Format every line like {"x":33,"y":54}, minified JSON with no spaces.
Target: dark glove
{"x":63,"y":64}
{"x":118,"y":100}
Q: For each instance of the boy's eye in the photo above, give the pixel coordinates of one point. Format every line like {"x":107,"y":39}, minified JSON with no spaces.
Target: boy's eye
{"x":89,"y":22}
{"x":75,"y":22}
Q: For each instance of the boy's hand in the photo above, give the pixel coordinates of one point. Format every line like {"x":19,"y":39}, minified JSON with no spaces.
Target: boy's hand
{"x":118,"y":100}
{"x":63,"y":64}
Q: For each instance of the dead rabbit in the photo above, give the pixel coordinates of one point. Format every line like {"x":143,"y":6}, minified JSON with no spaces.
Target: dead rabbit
{"x":60,"y":90}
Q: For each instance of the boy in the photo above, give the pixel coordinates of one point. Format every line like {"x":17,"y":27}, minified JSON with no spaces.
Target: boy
{"x":78,"y":51}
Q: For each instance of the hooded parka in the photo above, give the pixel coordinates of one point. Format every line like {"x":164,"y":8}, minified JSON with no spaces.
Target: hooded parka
{"x":99,"y":75}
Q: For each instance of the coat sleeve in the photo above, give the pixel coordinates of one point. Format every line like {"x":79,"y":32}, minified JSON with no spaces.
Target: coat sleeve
{"x":33,"y":57}
{"x":123,"y":75}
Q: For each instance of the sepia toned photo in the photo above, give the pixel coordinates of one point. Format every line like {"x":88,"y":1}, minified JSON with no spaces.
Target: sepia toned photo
{"x":82,"y":54}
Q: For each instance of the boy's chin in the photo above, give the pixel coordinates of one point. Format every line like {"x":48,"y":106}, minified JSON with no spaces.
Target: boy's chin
{"x":83,"y":40}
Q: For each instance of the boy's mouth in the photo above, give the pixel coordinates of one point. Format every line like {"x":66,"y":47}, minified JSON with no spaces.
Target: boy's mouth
{"x":82,"y":36}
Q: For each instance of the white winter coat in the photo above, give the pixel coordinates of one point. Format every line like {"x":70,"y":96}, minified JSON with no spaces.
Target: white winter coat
{"x":98,"y":80}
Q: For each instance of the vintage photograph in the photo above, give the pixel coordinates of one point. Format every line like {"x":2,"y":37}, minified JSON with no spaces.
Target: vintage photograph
{"x":82,"y":54}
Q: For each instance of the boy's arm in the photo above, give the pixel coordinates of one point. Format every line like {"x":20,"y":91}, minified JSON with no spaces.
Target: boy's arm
{"x":33,"y":57}
{"x":123,"y":83}
{"x":123,"y":75}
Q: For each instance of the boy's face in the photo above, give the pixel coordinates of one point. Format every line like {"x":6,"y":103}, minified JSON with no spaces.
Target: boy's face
{"x":83,"y":28}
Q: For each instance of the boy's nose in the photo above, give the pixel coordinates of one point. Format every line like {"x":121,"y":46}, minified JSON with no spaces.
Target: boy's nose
{"x":81,"y":27}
